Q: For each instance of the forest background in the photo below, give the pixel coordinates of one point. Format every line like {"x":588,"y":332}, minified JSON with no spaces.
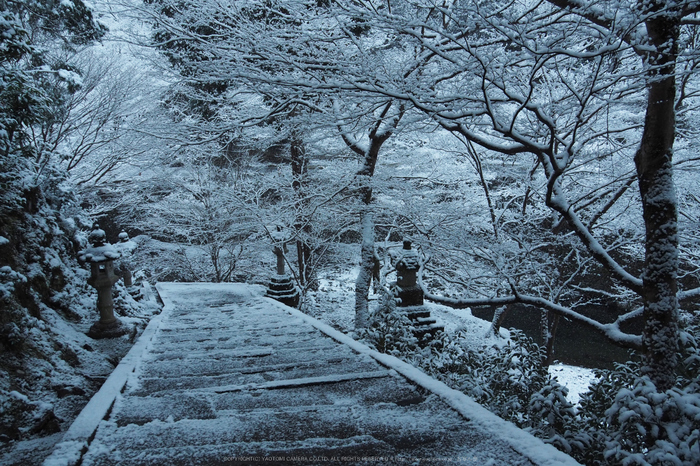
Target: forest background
{"x":540,"y":155}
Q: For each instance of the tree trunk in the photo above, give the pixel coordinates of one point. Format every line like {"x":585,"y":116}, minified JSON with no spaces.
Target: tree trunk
{"x":302,"y":225}
{"x":654,"y":170}
{"x":476,"y":163}
{"x":499,"y":315}
{"x":364,"y":175}
{"x":364,"y":276}
{"x":551,"y":335}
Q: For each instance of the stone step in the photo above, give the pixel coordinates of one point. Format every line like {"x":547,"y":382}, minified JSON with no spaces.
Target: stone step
{"x":225,"y":397}
{"x":418,"y":314}
{"x":200,"y":405}
{"x":426,"y":429}
{"x":148,"y":386}
{"x":269,"y":362}
{"x":326,"y":451}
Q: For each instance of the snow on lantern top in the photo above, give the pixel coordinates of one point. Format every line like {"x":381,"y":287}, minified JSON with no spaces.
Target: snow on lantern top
{"x":97,"y":236}
{"x":279,"y":234}
{"x":125,"y":244}
{"x":409,"y":259}
{"x":100,"y":250}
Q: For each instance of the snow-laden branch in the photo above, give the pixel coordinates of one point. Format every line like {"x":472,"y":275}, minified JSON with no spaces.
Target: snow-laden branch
{"x":558,"y":202}
{"x":688,"y":294}
{"x":611,"y":331}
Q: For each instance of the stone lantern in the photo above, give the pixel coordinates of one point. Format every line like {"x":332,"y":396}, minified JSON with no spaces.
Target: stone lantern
{"x":281,"y":287}
{"x":100,"y":255}
{"x":125,"y":247}
{"x":410,"y":295}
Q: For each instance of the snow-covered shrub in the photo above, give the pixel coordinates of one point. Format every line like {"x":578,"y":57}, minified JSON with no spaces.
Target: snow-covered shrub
{"x":452,"y":360}
{"x":552,"y":418}
{"x":8,"y":279}
{"x":591,"y":412}
{"x":515,"y":384}
{"x":502,"y":378}
{"x":651,"y":427}
{"x":689,"y":369}
{"x":13,"y":336}
{"x":389,"y":330}
{"x":124,"y":303}
{"x":626,"y":420}
{"x":14,"y":408}
{"x":510,"y":380}
{"x":12,"y":320}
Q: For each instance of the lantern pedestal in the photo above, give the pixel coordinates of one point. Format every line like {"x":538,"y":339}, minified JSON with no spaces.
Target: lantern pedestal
{"x":100,"y":330}
{"x":282,"y":289}
{"x":102,"y":278}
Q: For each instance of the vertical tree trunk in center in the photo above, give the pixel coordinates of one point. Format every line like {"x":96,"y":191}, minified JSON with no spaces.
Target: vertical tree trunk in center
{"x":302,"y":225}
{"x":364,"y":177}
{"x":364,"y":276}
{"x":654,"y":170}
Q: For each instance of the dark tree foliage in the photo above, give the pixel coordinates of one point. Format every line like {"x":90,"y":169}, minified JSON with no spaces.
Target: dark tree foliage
{"x":37,"y":260}
{"x":202,"y":98}
{"x":33,"y":88}
{"x":27,"y":92}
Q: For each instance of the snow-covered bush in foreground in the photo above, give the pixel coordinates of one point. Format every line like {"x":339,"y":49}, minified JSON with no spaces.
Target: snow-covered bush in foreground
{"x":629,"y":421}
{"x":651,"y":427}
{"x":389,"y":330}
{"x":510,"y":380}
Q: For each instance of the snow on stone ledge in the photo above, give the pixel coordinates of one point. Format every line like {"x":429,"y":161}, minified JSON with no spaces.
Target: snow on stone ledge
{"x":69,"y":451}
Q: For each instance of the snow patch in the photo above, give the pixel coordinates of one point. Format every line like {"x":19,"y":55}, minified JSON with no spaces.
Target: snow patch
{"x":576,"y":379}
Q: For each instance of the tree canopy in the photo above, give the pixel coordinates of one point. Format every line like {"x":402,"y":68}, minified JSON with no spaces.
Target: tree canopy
{"x":539,"y":153}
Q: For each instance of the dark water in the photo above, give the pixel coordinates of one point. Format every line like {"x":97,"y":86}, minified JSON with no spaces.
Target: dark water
{"x":574,"y":343}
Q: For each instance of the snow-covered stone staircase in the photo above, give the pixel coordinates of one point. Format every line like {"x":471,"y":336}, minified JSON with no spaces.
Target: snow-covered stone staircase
{"x":231,"y":377}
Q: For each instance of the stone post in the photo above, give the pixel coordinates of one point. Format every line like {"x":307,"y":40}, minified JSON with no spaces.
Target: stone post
{"x":100,"y":255}
{"x":279,"y":252}
{"x":409,"y":293}
{"x":281,"y":287}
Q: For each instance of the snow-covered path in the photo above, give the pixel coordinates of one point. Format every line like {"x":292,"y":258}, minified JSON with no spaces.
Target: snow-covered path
{"x":231,"y":377}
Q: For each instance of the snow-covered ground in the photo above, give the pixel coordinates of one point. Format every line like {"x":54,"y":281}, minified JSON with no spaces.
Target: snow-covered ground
{"x":333,"y":304}
{"x":576,"y":379}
